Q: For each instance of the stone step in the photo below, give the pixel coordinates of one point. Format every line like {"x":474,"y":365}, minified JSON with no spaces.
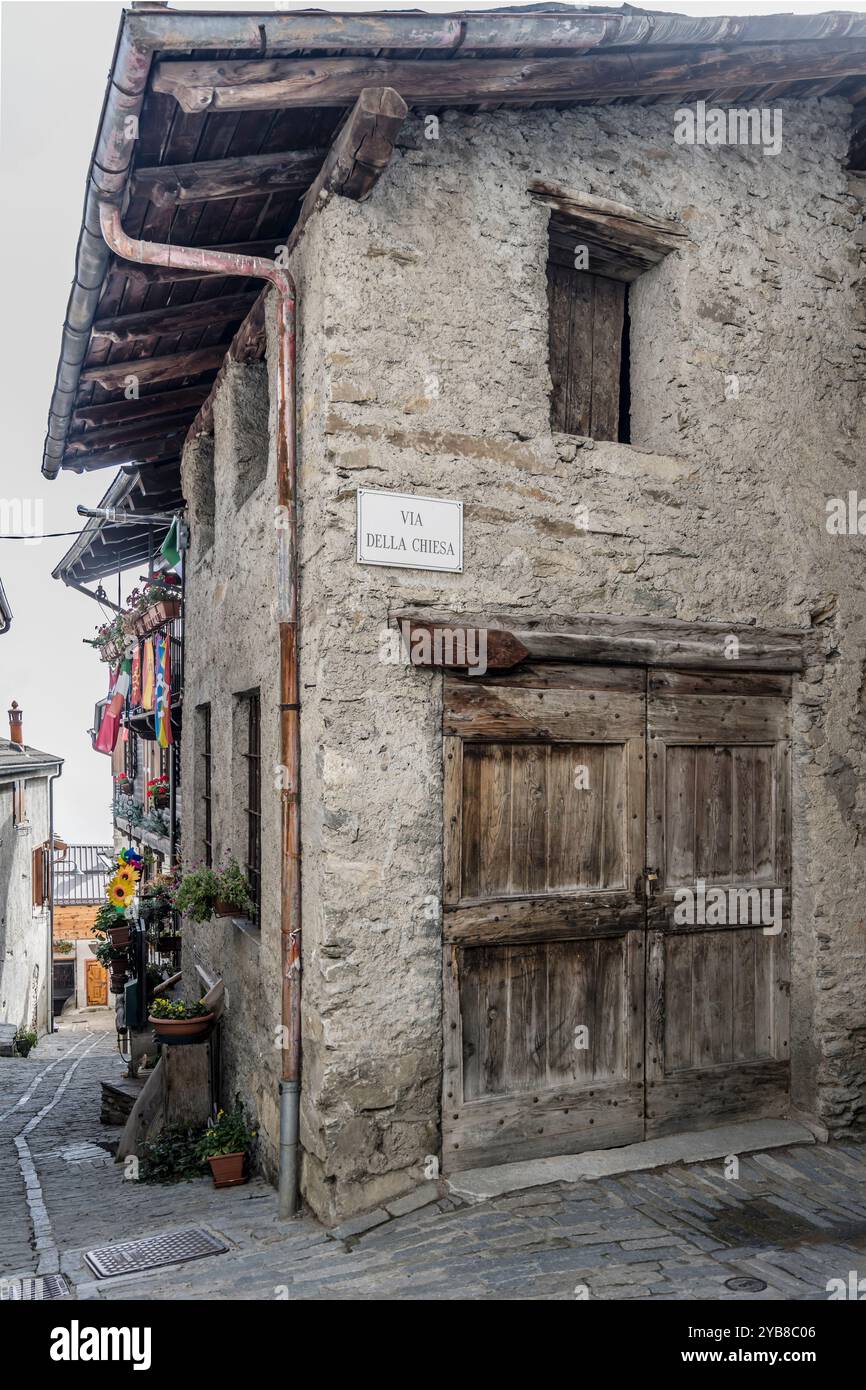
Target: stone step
{"x":118,"y":1098}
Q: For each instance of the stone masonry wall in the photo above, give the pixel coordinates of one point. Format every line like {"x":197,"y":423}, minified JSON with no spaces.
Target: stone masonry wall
{"x":431,"y":304}
{"x":423,"y":367}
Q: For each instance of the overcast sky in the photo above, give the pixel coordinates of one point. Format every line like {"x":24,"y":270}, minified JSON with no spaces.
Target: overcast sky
{"x":55,"y":60}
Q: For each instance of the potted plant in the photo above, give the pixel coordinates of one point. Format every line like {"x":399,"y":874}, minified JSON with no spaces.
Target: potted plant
{"x":233,"y":897}
{"x":225,"y":1144}
{"x":156,"y":899}
{"x":24,"y":1041}
{"x":196,"y":893}
{"x":123,"y":785}
{"x":158,"y":791}
{"x":63,"y":948}
{"x":156,"y":604}
{"x":179,"y":1020}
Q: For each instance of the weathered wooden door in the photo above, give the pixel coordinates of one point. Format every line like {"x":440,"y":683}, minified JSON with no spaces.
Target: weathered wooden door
{"x":543,"y":913}
{"x":96,"y":983}
{"x":718,"y":818}
{"x":585,"y":1006}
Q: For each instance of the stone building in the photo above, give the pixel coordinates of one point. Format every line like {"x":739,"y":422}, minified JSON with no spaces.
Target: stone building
{"x":26,"y":831}
{"x":550,"y":765}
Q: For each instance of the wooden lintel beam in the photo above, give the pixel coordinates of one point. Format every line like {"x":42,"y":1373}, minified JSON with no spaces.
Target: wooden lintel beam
{"x":126,"y":412}
{"x":214,"y":179}
{"x":173,"y":367}
{"x":174,"y":318}
{"x":272,"y":84}
{"x":630,"y":641}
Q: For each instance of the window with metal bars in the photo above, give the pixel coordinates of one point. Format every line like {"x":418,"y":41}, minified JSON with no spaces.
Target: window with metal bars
{"x":253,"y":811}
{"x":205,"y":781}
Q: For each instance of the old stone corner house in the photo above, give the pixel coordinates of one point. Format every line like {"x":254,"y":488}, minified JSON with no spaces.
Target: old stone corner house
{"x":484,"y":260}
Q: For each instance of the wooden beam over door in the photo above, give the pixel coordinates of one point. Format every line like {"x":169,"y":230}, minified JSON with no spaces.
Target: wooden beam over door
{"x":599,"y":637}
{"x":280,"y":83}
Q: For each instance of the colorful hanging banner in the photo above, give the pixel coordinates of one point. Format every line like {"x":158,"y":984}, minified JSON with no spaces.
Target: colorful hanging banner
{"x":147,"y":683}
{"x":135,"y":692}
{"x":117,"y":693}
{"x":162,"y":709}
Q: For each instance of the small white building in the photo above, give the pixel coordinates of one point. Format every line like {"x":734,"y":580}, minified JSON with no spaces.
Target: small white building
{"x":26,"y":829}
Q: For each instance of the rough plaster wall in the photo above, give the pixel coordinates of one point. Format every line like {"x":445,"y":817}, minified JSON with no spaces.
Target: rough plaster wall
{"x":24,"y":933}
{"x":231,"y":648}
{"x":429,"y":305}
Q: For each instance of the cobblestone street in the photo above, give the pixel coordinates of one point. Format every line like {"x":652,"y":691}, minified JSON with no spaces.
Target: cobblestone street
{"x":794,"y":1219}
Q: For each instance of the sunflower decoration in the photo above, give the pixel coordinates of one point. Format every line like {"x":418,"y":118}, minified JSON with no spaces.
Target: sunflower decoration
{"x":131,"y":858}
{"x":127,"y":875}
{"x":121,"y":891}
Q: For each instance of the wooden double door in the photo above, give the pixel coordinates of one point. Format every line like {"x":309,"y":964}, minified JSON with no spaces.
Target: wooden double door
{"x":595,"y":993}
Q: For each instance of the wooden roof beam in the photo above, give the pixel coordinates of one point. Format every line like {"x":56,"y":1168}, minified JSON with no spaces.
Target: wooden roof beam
{"x":157,"y":427}
{"x":245,"y":177}
{"x":173,"y":367}
{"x":356,"y":160}
{"x":155,"y":451}
{"x":174,"y":318}
{"x":279,"y":83}
{"x":125,"y":412}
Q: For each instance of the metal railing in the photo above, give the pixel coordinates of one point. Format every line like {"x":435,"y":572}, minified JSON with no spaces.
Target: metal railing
{"x":81,"y":873}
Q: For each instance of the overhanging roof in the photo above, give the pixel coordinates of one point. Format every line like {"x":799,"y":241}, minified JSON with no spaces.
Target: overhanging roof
{"x":234,"y":112}
{"x":103,"y":548}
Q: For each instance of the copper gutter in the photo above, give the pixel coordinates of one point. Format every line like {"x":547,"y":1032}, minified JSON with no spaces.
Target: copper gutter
{"x":226,"y":263}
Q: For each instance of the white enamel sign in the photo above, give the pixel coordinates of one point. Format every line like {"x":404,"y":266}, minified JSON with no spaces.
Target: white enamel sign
{"x":419,"y":533}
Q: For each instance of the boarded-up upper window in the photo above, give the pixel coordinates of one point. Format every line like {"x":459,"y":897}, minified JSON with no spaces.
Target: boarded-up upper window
{"x":587,"y":317}
{"x":596,"y":248}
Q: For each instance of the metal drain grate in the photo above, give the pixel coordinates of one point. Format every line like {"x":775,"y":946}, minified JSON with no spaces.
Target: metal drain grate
{"x":33,"y":1287}
{"x":174,"y":1248}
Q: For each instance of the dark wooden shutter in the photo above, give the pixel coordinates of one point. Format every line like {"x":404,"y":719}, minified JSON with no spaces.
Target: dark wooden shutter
{"x":39,"y":876}
{"x":586,"y":329}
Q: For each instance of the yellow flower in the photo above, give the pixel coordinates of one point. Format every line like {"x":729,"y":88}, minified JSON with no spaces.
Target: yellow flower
{"x":120,"y":892}
{"x":126,"y":875}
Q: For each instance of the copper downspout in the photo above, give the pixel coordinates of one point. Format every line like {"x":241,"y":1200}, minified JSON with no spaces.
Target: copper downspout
{"x":286,"y":522}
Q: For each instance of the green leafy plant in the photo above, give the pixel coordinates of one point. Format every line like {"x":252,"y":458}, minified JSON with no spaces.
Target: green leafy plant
{"x":197,"y":893}
{"x":63,"y":948}
{"x":106,"y":916}
{"x":227,"y":1134}
{"x":24,"y":1042}
{"x":234,"y":890}
{"x":177,"y":1008}
{"x":107,"y":954}
{"x":172,"y":1156}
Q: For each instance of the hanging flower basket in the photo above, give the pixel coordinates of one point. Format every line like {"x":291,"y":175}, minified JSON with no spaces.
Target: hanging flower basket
{"x":169,"y":943}
{"x":120,"y":935}
{"x":119,"y":975}
{"x":156,"y":616}
{"x":111,"y":652}
{"x":183,"y":1030}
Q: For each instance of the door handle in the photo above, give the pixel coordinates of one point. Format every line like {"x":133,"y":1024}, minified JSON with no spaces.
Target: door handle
{"x":651,"y":879}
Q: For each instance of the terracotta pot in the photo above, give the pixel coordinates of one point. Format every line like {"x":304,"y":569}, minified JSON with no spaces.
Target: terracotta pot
{"x":118,"y":980}
{"x":181,"y":1029}
{"x":228,"y":1169}
{"x":119,"y":936}
{"x":157,"y":616}
{"x":222,"y":909}
{"x":110,"y":651}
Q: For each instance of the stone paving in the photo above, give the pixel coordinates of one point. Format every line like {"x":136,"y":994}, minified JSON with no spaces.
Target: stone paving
{"x":794,"y":1218}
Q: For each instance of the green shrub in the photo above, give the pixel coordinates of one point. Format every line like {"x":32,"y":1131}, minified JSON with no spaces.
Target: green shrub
{"x":172,"y":1156}
{"x":177,"y":1008}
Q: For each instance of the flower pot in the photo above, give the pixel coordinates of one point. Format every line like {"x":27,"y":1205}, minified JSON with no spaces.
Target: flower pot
{"x":119,"y":936}
{"x":110,"y":651}
{"x":161,"y":799}
{"x":228,"y":1169}
{"x":118,"y":980}
{"x":165,"y":611}
{"x":180,"y":1030}
{"x":167,"y":944}
{"x":223,"y":909}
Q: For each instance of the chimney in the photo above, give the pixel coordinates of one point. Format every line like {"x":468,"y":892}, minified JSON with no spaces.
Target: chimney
{"x":16,"y":730}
